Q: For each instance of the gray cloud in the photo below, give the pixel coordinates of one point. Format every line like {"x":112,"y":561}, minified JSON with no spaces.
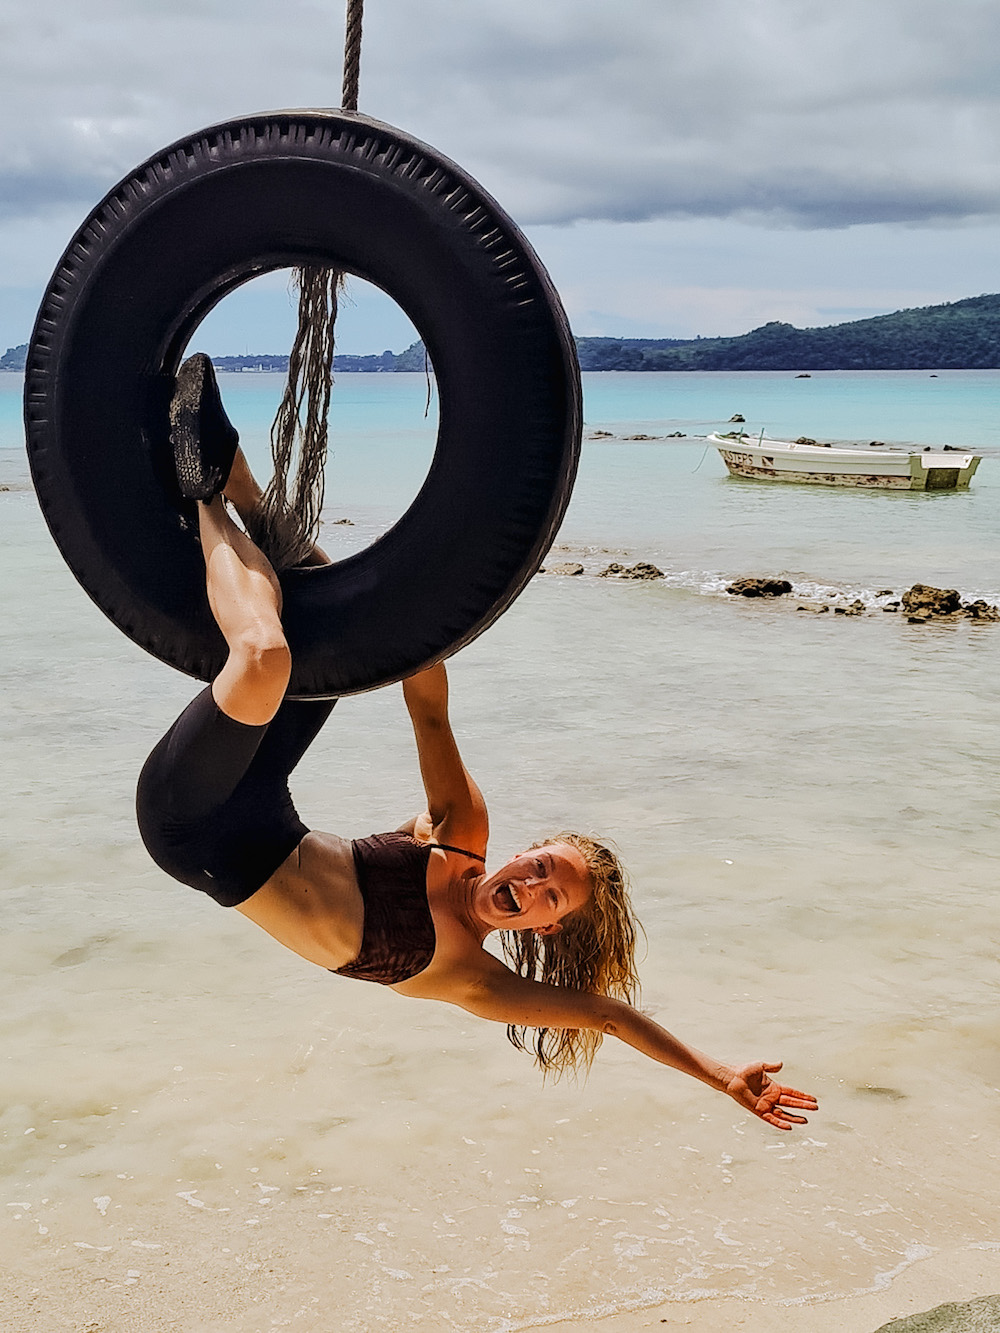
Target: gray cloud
{"x":788,"y":112}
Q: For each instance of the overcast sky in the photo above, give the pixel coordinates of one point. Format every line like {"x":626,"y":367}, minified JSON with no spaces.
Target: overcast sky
{"x":682,"y":166}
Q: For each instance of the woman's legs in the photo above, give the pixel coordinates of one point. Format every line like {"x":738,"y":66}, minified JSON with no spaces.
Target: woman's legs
{"x":244,"y":493}
{"x":245,"y":597}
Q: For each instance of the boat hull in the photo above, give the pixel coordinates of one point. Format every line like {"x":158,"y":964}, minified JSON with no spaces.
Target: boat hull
{"x":815,"y":465}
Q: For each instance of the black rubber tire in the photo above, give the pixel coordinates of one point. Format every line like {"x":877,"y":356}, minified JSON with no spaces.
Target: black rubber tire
{"x":194,"y":222}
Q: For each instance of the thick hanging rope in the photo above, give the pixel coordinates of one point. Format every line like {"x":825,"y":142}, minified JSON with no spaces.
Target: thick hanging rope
{"x":287,"y":521}
{"x":352,"y":55}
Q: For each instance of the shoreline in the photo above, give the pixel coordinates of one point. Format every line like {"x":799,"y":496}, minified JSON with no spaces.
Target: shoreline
{"x":267,"y":1288}
{"x":959,"y":1276}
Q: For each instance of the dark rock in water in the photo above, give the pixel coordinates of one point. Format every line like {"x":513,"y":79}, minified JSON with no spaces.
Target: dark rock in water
{"x":570,"y":567}
{"x":642,"y":570}
{"x":980,"y":1315}
{"x":737,"y":417}
{"x":675,"y":435}
{"x":600,"y":435}
{"x":803,"y":376}
{"x":925,"y":601}
{"x":856,"y":608}
{"x":817,"y":608}
{"x":750,"y":587}
{"x":642,"y":437}
{"x":342,"y":523}
{"x":876,"y":444}
{"x":884,"y":592}
{"x":891,"y":606}
{"x":805,"y":439}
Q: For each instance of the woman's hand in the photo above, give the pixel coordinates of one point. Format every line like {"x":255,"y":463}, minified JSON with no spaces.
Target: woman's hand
{"x":752,"y":1087}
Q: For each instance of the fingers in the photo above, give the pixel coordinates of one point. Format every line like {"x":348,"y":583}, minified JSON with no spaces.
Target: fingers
{"x":783,"y":1119}
{"x":773,"y":1120}
{"x":804,"y":1102}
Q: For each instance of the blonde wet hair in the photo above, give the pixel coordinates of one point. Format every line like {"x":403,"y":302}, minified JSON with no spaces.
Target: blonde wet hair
{"x":593,"y":952}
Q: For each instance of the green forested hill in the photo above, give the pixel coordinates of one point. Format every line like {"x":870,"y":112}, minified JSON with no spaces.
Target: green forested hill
{"x":963,"y":335}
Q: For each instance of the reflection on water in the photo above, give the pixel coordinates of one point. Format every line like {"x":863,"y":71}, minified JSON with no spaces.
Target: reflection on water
{"x":196,"y":1123}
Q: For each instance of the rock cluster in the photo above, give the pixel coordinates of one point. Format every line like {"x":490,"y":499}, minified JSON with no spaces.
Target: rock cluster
{"x":922,"y":603}
{"x":642,"y":570}
{"x":750,"y":587}
{"x":568,"y":567}
{"x":923,"y":600}
{"x":609,"y":435}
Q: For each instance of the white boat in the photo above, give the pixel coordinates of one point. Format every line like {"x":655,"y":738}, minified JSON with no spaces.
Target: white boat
{"x":828,"y":465}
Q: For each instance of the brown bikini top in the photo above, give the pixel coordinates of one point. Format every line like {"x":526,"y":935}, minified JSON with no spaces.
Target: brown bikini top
{"x":398,"y":940}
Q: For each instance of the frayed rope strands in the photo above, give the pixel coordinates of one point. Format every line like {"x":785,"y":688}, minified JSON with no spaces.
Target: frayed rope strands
{"x":287,"y":523}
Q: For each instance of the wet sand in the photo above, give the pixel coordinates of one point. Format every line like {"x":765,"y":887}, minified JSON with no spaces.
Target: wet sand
{"x":957,"y":1275}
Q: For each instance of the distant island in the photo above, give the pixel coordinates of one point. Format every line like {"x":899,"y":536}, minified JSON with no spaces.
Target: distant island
{"x":960,"y":335}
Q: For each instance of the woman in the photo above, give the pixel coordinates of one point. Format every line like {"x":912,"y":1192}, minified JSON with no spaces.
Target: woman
{"x":408,"y":909}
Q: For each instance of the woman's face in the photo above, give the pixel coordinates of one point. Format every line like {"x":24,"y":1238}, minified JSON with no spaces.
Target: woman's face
{"x":534,"y":890}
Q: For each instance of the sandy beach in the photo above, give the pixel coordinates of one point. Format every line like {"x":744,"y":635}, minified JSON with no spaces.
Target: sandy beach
{"x":275,"y":1287}
{"x":950,"y":1276}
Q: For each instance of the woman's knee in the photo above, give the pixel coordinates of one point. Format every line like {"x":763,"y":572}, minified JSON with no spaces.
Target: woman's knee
{"x":252,"y":684}
{"x":263,"y":655}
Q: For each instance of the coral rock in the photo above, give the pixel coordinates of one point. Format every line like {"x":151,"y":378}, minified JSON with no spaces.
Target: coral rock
{"x":750,"y":587}
{"x":642,"y":570}
{"x":924,"y":601}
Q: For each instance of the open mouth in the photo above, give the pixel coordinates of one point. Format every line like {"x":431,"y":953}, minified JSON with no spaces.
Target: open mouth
{"x":506,"y":899}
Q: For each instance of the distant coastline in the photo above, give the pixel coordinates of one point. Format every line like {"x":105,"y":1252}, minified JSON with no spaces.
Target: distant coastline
{"x":959,"y":335}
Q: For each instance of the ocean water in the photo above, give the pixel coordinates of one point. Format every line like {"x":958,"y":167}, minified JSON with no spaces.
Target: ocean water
{"x":196,"y":1126}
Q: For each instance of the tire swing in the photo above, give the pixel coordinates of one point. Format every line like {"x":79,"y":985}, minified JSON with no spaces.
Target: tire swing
{"x":210,"y":212}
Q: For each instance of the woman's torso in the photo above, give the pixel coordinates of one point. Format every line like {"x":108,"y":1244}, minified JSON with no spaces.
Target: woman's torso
{"x":387,"y":908}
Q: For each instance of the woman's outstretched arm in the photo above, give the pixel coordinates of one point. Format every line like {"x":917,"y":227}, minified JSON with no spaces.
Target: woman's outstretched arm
{"x":456,"y":811}
{"x":504,"y":997}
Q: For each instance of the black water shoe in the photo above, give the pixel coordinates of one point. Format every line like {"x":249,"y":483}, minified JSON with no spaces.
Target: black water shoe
{"x":204,"y":440}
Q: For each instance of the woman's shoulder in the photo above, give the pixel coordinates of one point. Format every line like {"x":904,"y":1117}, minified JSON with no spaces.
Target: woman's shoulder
{"x":460,"y":968}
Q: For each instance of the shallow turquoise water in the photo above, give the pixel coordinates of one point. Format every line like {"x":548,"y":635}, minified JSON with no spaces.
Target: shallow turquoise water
{"x":809,"y":808}
{"x":670,"y":500}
